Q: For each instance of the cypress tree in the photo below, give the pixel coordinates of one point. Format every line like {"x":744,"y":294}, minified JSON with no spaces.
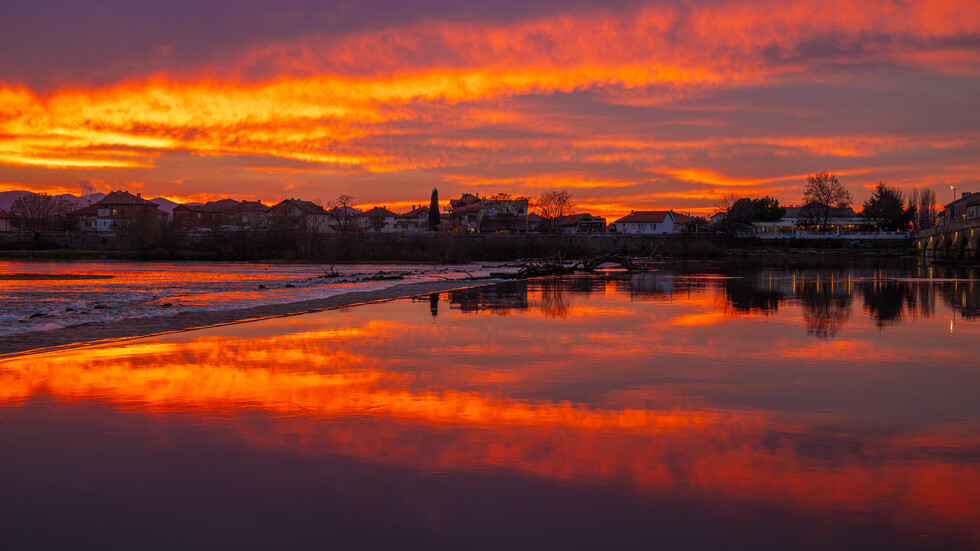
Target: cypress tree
{"x":434,"y":210}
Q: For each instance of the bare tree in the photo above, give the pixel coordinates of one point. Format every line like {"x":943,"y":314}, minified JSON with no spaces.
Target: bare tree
{"x":64,"y":210}
{"x":925,"y":212}
{"x":35,"y":209}
{"x":142,"y":232}
{"x":342,"y":211}
{"x":914,"y":201}
{"x":823,"y":194}
{"x":553,"y":205}
{"x":725,"y":203}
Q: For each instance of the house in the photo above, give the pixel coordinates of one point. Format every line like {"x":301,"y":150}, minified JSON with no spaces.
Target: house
{"x":240,"y":215}
{"x":495,"y":214}
{"x":581,"y":223}
{"x":973,"y":211}
{"x":464,"y":214}
{"x":648,"y":222}
{"x":296,"y":214}
{"x":536,"y":222}
{"x":503,"y":224}
{"x":196,"y":217}
{"x":813,"y":221}
{"x":966,"y":207}
{"x":503,"y":214}
{"x":415,"y":220}
{"x":343,"y":218}
{"x":682,"y":222}
{"x":117,"y":211}
{"x":8,"y":221}
{"x":378,"y":219}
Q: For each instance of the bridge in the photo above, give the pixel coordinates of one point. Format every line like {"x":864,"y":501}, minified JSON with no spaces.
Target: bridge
{"x":956,"y":242}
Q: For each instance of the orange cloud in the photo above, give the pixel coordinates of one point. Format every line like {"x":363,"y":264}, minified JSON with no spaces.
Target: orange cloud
{"x":435,"y":96}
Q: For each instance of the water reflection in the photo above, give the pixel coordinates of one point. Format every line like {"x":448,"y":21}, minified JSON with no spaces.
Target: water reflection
{"x":826,"y":295}
{"x":680,"y":386}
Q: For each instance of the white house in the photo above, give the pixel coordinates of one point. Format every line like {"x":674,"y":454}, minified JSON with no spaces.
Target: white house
{"x":649,"y":222}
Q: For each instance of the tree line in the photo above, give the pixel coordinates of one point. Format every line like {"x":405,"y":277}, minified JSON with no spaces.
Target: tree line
{"x":825,"y":197}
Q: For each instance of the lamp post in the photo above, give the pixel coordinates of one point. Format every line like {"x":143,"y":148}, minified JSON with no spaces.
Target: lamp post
{"x":952,"y":207}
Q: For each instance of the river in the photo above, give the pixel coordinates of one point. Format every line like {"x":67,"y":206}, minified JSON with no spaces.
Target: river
{"x":696,"y":406}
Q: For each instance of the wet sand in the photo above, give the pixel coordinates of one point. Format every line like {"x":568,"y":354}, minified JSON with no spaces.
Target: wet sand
{"x":101,"y":332}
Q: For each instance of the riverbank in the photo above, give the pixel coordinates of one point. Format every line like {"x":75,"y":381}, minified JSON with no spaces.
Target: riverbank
{"x":354,"y":247}
{"x":102,"y":332}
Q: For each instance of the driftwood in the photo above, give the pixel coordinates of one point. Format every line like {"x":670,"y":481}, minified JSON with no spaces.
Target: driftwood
{"x":590,"y":264}
{"x":544,"y":268}
{"x":556,"y":266}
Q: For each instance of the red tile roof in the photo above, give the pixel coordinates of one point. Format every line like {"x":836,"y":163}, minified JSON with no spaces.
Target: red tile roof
{"x":415,"y":213}
{"x":310,"y":207}
{"x":90,"y":210}
{"x":124,"y":198}
{"x":644,"y":216}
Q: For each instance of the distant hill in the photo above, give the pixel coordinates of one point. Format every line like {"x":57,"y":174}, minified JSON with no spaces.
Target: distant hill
{"x":84,"y":200}
{"x":8,"y":197}
{"x":166,"y":205}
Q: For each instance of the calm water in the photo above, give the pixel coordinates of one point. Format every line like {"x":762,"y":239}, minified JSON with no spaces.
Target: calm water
{"x":692,"y":408}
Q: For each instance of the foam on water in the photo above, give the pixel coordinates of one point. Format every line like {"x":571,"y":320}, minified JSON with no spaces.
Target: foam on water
{"x":37,"y":296}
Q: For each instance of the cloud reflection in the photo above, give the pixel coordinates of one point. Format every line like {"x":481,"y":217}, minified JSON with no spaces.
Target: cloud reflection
{"x":585,"y":396}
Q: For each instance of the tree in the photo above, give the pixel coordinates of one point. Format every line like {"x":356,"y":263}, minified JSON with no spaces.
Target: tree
{"x":36,"y":209}
{"x":823,"y":194}
{"x":343,"y":212}
{"x":64,"y":209}
{"x":925,"y":208}
{"x":886,"y":207}
{"x":740,"y":213}
{"x":767,"y":209}
{"x":553,"y":205}
{"x":142,"y":232}
{"x":376,"y":219}
{"x":744,"y":210}
{"x":434,"y":210}
{"x":725,"y":203}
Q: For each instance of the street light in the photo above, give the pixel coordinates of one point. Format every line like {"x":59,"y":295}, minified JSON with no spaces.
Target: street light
{"x":952,"y":207}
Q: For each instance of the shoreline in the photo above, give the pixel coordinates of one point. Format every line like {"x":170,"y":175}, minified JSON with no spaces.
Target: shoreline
{"x":102,"y":332}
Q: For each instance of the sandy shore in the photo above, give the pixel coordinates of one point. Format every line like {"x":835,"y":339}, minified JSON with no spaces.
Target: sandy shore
{"x":98,"y":332}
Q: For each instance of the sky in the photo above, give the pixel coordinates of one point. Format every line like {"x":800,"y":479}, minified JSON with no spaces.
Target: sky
{"x":626,"y":104}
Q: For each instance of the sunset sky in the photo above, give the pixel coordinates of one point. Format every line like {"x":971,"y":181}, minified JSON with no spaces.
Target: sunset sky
{"x":626,"y":104}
